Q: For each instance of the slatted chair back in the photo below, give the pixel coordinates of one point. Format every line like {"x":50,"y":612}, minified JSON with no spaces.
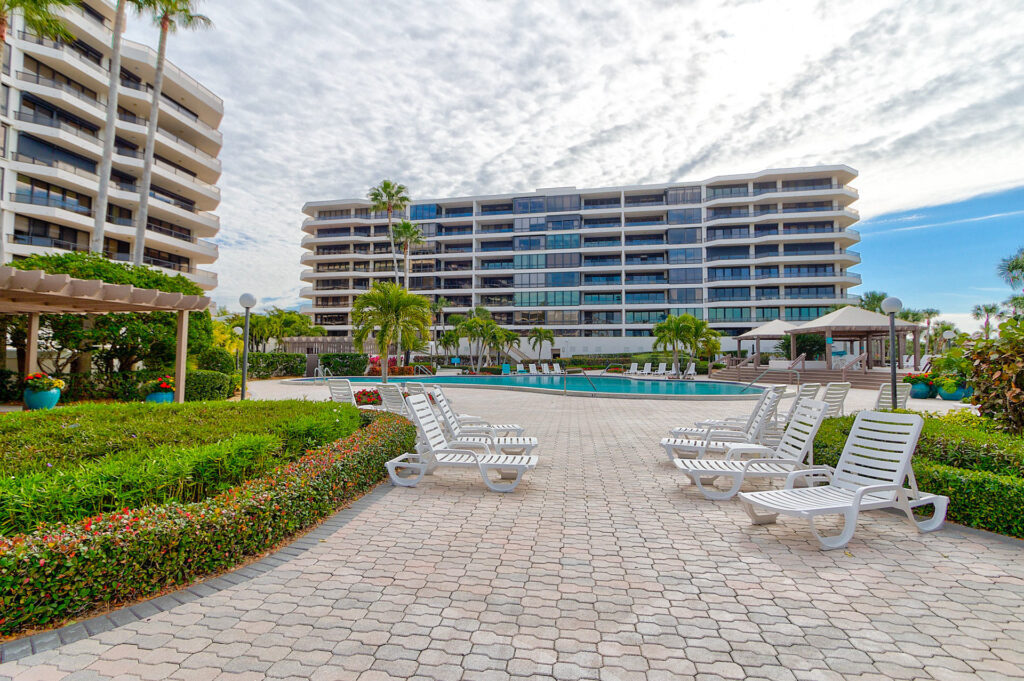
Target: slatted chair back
{"x":341,"y":390}
{"x":807,"y":391}
{"x":426,"y":422}
{"x":884,"y":398}
{"x":392,"y":399}
{"x":415,"y":389}
{"x":451,"y":421}
{"x":835,"y":398}
{"x":662,"y":368}
{"x":878,"y":450}
{"x":545,"y":369}
{"x":691,"y":370}
{"x":633,"y":368}
{"x":520,"y":369}
{"x":763,"y":416}
{"x":798,"y":440}
{"x":647,"y":368}
{"x":533,"y":369}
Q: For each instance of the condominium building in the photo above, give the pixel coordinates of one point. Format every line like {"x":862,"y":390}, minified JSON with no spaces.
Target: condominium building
{"x":53,"y":114}
{"x":600,"y":266}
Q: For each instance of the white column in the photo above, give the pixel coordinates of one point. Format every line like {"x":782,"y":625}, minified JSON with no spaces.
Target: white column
{"x":180,"y":357}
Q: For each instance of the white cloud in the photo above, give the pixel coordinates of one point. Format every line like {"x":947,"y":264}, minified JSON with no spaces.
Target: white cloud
{"x":326,"y":97}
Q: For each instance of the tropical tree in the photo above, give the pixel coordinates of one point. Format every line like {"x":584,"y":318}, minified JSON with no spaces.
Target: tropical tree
{"x":1014,"y":304}
{"x":382,"y":311}
{"x":1011,"y":269}
{"x":450,"y":341}
{"x":169,"y":15}
{"x":509,"y":339}
{"x":986,"y":312}
{"x":673,"y":331}
{"x":107,"y":157}
{"x":406,"y":235}
{"x":936,"y":340}
{"x":538,"y":337}
{"x":40,"y":17}
{"x":389,"y":197}
{"x":928,"y":314}
{"x":703,"y":340}
{"x":872,"y":300}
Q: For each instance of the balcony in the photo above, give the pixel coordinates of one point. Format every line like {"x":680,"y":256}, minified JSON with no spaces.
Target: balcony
{"x":44,"y":242}
{"x":601,"y":243}
{"x":649,"y":200}
{"x":601,"y":204}
{"x":63,"y":204}
{"x":30,"y":77}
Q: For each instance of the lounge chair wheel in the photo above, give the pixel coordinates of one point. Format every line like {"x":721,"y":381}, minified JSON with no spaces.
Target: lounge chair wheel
{"x":759,"y":518}
{"x":406,"y":474}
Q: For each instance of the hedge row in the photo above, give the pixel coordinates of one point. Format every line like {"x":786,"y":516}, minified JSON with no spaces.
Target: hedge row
{"x":344,"y":363}
{"x":207,"y":386}
{"x":271,"y":364}
{"x":64,"y":571}
{"x":160,"y":475}
{"x":123,"y":386}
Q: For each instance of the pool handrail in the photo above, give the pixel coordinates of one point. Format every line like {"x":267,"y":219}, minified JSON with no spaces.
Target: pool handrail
{"x":322,"y":372}
{"x":565,"y":382}
{"x":614,"y":365}
{"x":761,"y":375}
{"x":420,"y":369}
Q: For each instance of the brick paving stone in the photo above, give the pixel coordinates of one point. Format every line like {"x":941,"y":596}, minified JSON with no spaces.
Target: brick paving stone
{"x":603,"y":564}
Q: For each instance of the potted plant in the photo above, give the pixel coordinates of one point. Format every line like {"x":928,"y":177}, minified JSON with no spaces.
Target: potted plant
{"x":951,"y":371}
{"x":41,"y":391}
{"x":922,"y":386}
{"x":159,"y":390}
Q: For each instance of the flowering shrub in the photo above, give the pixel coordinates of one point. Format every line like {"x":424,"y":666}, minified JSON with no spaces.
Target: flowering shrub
{"x":164,"y":384}
{"x":997,"y":375}
{"x":367,"y":397}
{"x":40,"y":382}
{"x":914,"y":379}
{"x":62,"y":571}
{"x":392,"y":370}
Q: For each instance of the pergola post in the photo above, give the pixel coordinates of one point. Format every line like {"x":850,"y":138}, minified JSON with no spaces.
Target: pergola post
{"x":180,"y":357}
{"x":792,"y":347}
{"x":32,"y":344}
{"x":917,"y":349}
{"x":828,"y":353}
{"x":757,"y":346}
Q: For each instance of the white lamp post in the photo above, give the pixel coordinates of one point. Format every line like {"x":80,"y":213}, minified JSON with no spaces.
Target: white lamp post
{"x":891,"y":306}
{"x":247,"y":301}
{"x":948,"y":336}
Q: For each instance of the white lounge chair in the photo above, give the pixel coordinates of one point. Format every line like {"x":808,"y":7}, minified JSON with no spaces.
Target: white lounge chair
{"x":738,"y":423}
{"x":646,"y":371}
{"x":805,"y":391}
{"x":835,"y":397}
{"x":533,"y":369}
{"x":791,"y":453}
{"x":436,"y":452}
{"x":875,"y":463}
{"x":884,"y":398}
{"x":713,"y":440}
{"x":520,"y":369}
{"x":477,"y":435}
{"x":545,"y":369}
{"x":341,"y":391}
{"x":633,"y":369}
{"x":392,"y":399}
{"x":557,"y":369}
{"x":415,"y":388}
{"x":662,"y":369}
{"x":471,"y":423}
{"x":691,"y":372}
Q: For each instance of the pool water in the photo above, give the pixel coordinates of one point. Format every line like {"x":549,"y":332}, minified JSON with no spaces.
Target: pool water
{"x":614,"y":385}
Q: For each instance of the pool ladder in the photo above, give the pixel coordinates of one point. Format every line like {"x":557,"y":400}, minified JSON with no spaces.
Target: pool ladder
{"x":565,"y":381}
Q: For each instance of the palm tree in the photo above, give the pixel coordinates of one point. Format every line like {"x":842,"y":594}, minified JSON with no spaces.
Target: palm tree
{"x":703,"y":340}
{"x":509,"y":339}
{"x":384,"y":310}
{"x":450,"y":341}
{"x":986,"y":312}
{"x":937,"y":339}
{"x":928,"y":314}
{"x":40,"y":17}
{"x":406,"y":234}
{"x":389,"y":196}
{"x":538,"y":337}
{"x":872,"y":300}
{"x":670,"y":333}
{"x":474,"y":330}
{"x":169,"y":15}
{"x":107,"y":158}
{"x":1011,"y":269}
{"x":1015,"y":304}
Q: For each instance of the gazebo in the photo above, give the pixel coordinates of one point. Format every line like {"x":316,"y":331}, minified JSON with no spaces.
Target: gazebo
{"x":34,"y":292}
{"x":856,"y":324}
{"x":773,"y":330}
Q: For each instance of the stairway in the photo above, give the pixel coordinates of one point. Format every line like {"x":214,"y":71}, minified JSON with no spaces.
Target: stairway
{"x":869,"y":380}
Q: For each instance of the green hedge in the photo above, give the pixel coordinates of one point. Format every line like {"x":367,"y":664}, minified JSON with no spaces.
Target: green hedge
{"x":216,"y":359}
{"x":64,"y":571}
{"x":207,"y":386}
{"x":345,"y":363}
{"x":271,"y":364}
{"x":45,"y":440}
{"x":981,"y":472}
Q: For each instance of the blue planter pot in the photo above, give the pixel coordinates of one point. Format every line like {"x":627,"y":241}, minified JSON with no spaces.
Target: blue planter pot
{"x":160,"y":397}
{"x":42,"y":399}
{"x":954,"y":396}
{"x":921,"y":391}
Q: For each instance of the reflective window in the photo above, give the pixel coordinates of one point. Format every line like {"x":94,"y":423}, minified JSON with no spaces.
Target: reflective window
{"x":527,"y":262}
{"x":683,"y":195}
{"x":687,"y":235}
{"x":562,"y":203}
{"x":425,"y":211}
{"x":563,"y":260}
{"x":685,"y":275}
{"x":563,"y":241}
{"x":529,"y":243}
{"x":563,"y":278}
{"x":684,"y":216}
{"x":533,"y":204}
{"x":684,"y":256}
{"x":684,"y":295}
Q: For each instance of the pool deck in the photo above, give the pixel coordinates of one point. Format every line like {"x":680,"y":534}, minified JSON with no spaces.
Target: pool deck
{"x":603,"y":564}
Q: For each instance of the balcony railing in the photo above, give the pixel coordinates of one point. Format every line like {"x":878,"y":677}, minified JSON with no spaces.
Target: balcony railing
{"x":62,"y":47}
{"x":59,"y":165}
{"x":37,"y":119}
{"x":64,"y":204}
{"x":45,"y":242}
{"x":31,"y":77}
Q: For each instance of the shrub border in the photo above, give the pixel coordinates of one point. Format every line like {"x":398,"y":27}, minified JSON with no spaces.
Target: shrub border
{"x":49,"y":640}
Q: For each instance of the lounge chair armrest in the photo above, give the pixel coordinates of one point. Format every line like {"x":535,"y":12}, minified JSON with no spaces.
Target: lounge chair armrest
{"x":470,"y":420}
{"x":774,"y":461}
{"x":811,"y":471}
{"x":483,"y":445}
{"x":738,"y":450}
{"x":476,"y":457}
{"x":478,"y":429}
{"x":858,"y":496}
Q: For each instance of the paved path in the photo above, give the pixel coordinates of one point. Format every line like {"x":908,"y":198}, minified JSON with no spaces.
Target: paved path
{"x":602,"y":565}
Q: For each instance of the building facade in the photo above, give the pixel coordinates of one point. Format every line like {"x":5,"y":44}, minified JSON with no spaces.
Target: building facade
{"x":53,"y":113}
{"x":600,"y":266}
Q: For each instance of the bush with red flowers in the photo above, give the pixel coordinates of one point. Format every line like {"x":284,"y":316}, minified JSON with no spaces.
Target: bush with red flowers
{"x":367,"y":398}
{"x":64,"y":570}
{"x":164,"y":384}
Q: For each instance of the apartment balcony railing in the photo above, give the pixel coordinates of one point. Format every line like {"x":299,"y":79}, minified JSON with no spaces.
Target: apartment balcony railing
{"x":603,"y":263}
{"x":645,"y":242}
{"x":640,"y":201}
{"x":486,"y":230}
{"x":30,"y":77}
{"x":612,"y":281}
{"x":808,"y":209}
{"x":796,"y":188}
{"x":602,"y":244}
{"x":500,"y":211}
{"x":600,"y":204}
{"x":742,"y":299}
{"x":64,"y":204}
{"x":497,"y":266}
{"x":598,"y":225}
{"x":645,"y":223}
{"x":58,"y":165}
{"x":646,"y":280}
{"x":37,"y":119}
{"x":45,"y":242}
{"x":648,"y":261}
{"x":468,"y":212}
{"x":724,"y":236}
{"x":720,"y":215}
{"x":729,"y":320}
{"x":62,"y":47}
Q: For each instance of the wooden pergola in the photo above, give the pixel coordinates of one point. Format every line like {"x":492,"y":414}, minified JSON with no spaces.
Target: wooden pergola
{"x":34,"y":292}
{"x":856,"y":324}
{"x":773,"y":330}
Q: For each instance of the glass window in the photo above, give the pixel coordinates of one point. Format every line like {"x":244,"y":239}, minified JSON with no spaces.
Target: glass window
{"x":562,"y":203}
{"x":685,"y":275}
{"x":536,"y":224}
{"x":684,"y":256}
{"x":602,"y":317}
{"x":809,"y":270}
{"x":684,"y":216}
{"x":805,"y":313}
{"x":602,"y":299}
{"x":562,"y":241}
{"x":563,"y":317}
{"x":645,"y":316}
{"x":767,"y":314}
{"x":563,"y":298}
{"x":645,"y":298}
{"x":600,"y":279}
{"x":810,"y":291}
{"x":684,"y":295}
{"x":528,"y":243}
{"x":687,"y":235}
{"x":728,"y":314}
{"x":563,"y":279}
{"x":567,"y":222}
{"x":683,"y":195}
{"x":563,"y":260}
{"x":766,"y":250}
{"x":529,"y":280}
{"x":529,"y":299}
{"x":692,"y":311}
{"x":729,"y":293}
{"x":531,"y":317}
{"x":726,"y":273}
{"x":767,"y":292}
{"x":528,"y":262}
{"x":726,"y":191}
{"x":638,"y":333}
{"x":533,"y":204}
{"x":425,"y":211}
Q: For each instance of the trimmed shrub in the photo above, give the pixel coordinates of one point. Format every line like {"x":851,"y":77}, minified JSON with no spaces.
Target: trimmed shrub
{"x":216,"y":359}
{"x":393,"y":371}
{"x":63,"y":571}
{"x":271,"y":364}
{"x":10,"y":386}
{"x":345,"y":363}
{"x":206,"y":386}
{"x":976,"y":498}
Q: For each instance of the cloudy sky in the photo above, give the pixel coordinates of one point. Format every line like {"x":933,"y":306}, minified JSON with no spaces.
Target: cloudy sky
{"x":324,"y":98}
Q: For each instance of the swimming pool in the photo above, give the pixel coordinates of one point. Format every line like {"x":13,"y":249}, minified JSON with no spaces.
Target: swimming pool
{"x":594,"y":386}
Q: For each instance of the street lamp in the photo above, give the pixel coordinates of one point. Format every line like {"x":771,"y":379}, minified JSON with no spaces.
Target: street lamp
{"x":247,"y":301}
{"x":891,"y":306}
{"x":948,"y":335}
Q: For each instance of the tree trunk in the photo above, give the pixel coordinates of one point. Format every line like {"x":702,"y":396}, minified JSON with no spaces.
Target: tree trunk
{"x":141,"y":218}
{"x":675,"y":359}
{"x":109,"y":133}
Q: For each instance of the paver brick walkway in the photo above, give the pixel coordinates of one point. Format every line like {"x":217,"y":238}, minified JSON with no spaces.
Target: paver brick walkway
{"x":602,"y":565}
